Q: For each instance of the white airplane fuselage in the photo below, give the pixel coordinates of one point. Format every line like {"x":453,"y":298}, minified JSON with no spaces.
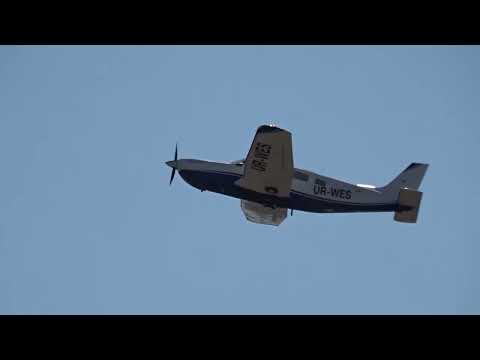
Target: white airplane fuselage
{"x":309,"y":191}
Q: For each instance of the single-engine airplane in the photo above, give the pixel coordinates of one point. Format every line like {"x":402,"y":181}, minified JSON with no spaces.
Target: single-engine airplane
{"x":267,"y":184}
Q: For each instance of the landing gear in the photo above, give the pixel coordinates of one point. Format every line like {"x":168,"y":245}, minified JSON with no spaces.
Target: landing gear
{"x":271,"y":206}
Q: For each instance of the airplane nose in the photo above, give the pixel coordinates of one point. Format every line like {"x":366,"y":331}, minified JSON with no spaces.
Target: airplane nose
{"x":171,"y":164}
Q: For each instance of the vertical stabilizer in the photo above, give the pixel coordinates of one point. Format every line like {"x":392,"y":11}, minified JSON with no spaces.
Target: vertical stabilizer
{"x":410,"y":178}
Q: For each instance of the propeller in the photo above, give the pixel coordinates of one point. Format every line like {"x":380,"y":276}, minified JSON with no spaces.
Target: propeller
{"x":173,"y":167}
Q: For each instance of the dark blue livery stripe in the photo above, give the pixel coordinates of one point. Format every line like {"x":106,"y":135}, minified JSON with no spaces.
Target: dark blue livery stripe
{"x":223,"y":182}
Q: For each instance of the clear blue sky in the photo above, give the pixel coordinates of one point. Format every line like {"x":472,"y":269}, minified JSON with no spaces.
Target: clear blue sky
{"x":89,"y":225}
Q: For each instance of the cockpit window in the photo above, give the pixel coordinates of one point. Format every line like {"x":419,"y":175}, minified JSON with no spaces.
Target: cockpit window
{"x":300,"y":176}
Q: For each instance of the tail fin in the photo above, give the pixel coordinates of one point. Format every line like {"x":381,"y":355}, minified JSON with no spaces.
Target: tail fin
{"x":410,"y":178}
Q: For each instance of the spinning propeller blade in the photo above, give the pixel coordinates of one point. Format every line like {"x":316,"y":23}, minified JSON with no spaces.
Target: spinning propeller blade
{"x":173,"y":168}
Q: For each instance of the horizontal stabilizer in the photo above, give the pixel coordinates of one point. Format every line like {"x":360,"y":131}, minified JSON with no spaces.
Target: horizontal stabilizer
{"x":409,"y":200}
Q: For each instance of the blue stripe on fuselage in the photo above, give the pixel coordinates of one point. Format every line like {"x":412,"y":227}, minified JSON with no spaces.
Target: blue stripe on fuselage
{"x":223,"y":182}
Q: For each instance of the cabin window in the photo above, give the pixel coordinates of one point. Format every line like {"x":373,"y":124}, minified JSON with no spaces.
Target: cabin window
{"x":300,"y":176}
{"x":319,"y":182}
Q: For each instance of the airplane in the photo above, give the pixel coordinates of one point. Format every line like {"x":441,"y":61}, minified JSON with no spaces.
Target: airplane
{"x":268,"y":184}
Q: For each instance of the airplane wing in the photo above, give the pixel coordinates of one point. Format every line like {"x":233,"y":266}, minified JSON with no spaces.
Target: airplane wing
{"x":262,"y":214}
{"x":268,"y":167}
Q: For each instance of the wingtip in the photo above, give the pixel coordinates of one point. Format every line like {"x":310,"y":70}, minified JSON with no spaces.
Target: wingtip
{"x":267,"y":128}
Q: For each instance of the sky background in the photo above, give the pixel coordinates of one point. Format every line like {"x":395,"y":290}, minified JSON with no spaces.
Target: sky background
{"x":89,"y":225}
